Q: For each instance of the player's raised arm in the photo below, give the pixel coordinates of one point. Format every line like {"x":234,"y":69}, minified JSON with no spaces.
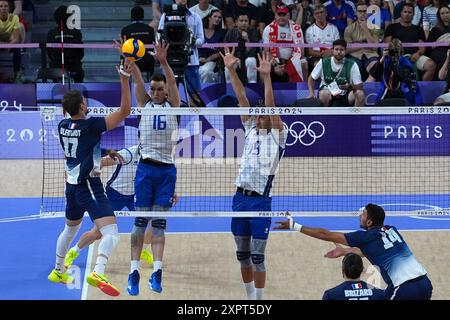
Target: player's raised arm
{"x":265,"y":64}
{"x":115,"y":118}
{"x":229,"y":61}
{"x":172,"y":88}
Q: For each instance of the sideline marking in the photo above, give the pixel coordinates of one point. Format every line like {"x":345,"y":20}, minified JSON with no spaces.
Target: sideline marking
{"x":87,"y":270}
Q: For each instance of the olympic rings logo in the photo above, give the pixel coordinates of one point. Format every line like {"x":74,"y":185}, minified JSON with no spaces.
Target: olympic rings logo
{"x":306,"y":135}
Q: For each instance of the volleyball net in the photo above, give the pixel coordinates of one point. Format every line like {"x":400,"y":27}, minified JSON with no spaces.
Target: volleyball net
{"x":335,"y":161}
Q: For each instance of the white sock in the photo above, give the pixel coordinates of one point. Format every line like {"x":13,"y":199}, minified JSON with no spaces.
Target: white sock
{"x":77,"y":248}
{"x":100,"y":264}
{"x":134,"y":265}
{"x":250,"y":289}
{"x":62,"y":245}
{"x":157,"y":265}
{"x":259,"y":293}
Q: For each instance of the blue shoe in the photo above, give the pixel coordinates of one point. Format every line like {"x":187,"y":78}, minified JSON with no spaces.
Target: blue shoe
{"x":155,"y":281}
{"x":133,"y":283}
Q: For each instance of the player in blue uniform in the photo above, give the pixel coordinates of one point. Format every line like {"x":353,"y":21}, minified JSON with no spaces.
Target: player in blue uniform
{"x":80,"y":139}
{"x":156,"y":172}
{"x":265,"y":141}
{"x":383,"y":246}
{"x":353,"y":288}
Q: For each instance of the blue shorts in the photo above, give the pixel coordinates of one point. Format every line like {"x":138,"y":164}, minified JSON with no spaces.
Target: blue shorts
{"x":193,"y":79}
{"x":119,"y":201}
{"x":258,"y":228}
{"x":415,"y":289}
{"x":155,"y":185}
{"x":80,"y":199}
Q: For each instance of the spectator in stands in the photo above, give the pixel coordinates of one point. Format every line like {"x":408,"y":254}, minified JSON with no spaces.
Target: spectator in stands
{"x":396,"y":75}
{"x":444,"y":75}
{"x":320,"y":32}
{"x":440,"y":33}
{"x":416,"y":9}
{"x":203,"y":8}
{"x":208,"y":57}
{"x":72,"y":57}
{"x":289,"y":64}
{"x":385,"y":16}
{"x":359,"y":32}
{"x":406,"y":32}
{"x":266,"y":15}
{"x":139,"y":30}
{"x":341,"y":14}
{"x":158,"y":9}
{"x":341,"y":83}
{"x":235,"y":7}
{"x":430,"y":16}
{"x":242,"y":33}
{"x":192,"y":75}
{"x":305,"y":13}
{"x":353,"y":288}
{"x":11,"y":31}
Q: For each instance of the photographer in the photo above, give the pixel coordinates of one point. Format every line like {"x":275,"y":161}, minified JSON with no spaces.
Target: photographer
{"x":444,"y":75}
{"x":396,"y":75}
{"x":195,"y":26}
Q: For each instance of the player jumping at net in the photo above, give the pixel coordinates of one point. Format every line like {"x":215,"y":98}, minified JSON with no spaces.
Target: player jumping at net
{"x":120,"y":192}
{"x":383,"y":246}
{"x":156,"y":172}
{"x":80,"y":139}
{"x":265,"y":140}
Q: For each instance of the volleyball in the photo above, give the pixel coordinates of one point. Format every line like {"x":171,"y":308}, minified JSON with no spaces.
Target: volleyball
{"x":133,"y":49}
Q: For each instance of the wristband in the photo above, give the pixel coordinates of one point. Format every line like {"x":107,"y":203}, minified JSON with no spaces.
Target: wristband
{"x":123,"y":72}
{"x":294,"y":225}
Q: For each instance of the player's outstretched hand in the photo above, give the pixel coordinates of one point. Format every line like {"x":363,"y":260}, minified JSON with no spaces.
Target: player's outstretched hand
{"x":337,"y":252}
{"x":265,"y":63}
{"x":284,"y":225}
{"x":229,"y":59}
{"x":126,"y":68}
{"x":118,"y":44}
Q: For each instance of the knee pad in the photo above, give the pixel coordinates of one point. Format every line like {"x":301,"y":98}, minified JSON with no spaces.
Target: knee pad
{"x":244,"y":258}
{"x":110,"y":239}
{"x":71,"y":231}
{"x":141,"y":222}
{"x":258,"y":262}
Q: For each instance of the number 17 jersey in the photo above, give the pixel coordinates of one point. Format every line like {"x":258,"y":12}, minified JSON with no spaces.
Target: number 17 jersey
{"x":80,"y":140}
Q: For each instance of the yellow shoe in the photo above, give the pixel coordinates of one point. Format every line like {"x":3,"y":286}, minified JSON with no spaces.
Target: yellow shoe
{"x":58,"y":277}
{"x":100,"y":281}
{"x":70,"y":258}
{"x":147,"y":256}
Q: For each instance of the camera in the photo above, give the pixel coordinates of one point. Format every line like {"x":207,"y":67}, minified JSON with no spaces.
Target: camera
{"x":177,"y":34}
{"x":393,"y":52}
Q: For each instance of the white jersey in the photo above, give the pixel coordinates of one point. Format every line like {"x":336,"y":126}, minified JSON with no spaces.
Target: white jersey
{"x":327,"y":35}
{"x":122,"y":180}
{"x":158,"y":135}
{"x":260,"y":157}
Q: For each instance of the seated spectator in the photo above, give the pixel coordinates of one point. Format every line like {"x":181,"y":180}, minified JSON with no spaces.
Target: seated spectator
{"x":72,"y":57}
{"x":208,"y":57}
{"x":139,"y":30}
{"x":203,"y":8}
{"x":305,"y":13}
{"x":396,"y":75}
{"x":320,"y":32}
{"x":359,"y":32}
{"x":288,"y":63}
{"x":430,"y":17}
{"x":353,"y":288}
{"x":341,"y":83}
{"x":349,"y":2}
{"x":11,"y":31}
{"x":242,"y":34}
{"x":341,"y":14}
{"x":440,"y":33}
{"x":407,"y":32}
{"x":444,"y":75}
{"x":385,"y":17}
{"x":236,"y":7}
{"x":266,"y":15}
{"x":417,"y":17}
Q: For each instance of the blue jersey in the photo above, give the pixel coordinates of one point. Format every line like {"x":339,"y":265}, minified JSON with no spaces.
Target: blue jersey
{"x":80,"y":140}
{"x":353,"y":290}
{"x":338,"y":16}
{"x":384,"y":247}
